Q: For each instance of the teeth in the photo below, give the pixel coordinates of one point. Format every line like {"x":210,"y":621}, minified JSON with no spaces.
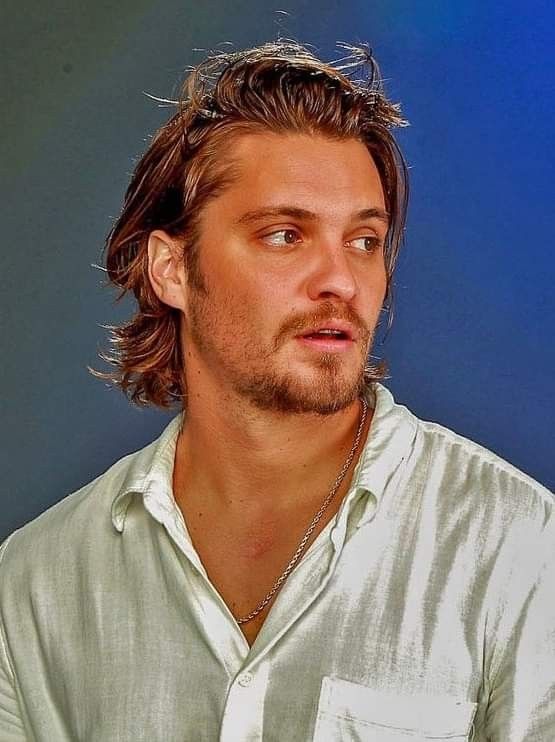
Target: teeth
{"x":330,"y":332}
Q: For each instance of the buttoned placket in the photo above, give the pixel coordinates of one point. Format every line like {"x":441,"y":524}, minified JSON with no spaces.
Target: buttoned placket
{"x":248,"y":667}
{"x":244,"y":708}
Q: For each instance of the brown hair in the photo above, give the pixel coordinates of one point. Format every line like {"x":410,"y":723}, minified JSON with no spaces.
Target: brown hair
{"x":280,"y":87}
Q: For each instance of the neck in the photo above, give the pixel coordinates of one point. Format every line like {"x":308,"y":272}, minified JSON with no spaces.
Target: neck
{"x":239,"y":460}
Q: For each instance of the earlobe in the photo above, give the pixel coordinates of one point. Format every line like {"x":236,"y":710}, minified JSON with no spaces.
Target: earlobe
{"x":166,"y":269}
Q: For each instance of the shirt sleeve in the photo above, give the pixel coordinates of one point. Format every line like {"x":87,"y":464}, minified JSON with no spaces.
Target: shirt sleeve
{"x":11,"y":725}
{"x":522,"y":697}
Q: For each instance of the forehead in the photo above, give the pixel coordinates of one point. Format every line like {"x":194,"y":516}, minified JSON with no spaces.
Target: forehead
{"x":312,"y":171}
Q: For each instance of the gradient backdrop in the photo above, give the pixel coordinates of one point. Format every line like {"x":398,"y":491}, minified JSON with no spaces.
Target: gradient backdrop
{"x":472,"y":345}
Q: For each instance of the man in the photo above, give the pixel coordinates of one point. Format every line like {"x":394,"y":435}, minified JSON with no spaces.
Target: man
{"x":297,"y":557}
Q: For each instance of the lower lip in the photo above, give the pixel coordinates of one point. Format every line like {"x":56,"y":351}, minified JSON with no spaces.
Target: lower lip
{"x":323,"y":344}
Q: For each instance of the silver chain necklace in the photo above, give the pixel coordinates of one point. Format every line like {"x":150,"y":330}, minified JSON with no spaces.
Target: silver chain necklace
{"x":296,"y":556}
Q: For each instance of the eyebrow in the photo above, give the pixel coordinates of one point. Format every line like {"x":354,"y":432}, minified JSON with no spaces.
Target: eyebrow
{"x":308,"y":216}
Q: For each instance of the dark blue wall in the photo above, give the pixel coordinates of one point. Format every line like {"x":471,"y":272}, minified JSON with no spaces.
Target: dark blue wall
{"x":472,"y":342}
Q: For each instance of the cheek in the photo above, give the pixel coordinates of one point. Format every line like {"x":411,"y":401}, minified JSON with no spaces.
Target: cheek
{"x":259,"y":291}
{"x":242,"y":304}
{"x":382,"y":288}
{"x":379,"y":284}
{"x":372,"y":297}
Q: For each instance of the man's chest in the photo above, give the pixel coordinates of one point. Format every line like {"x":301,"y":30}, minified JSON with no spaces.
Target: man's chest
{"x":163,"y":660}
{"x":244,"y":564}
{"x":347,"y":647}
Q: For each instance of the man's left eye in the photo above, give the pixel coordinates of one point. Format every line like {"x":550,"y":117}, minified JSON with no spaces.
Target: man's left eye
{"x":369,"y":243}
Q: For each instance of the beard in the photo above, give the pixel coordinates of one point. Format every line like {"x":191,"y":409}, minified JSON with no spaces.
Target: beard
{"x":251,"y":369}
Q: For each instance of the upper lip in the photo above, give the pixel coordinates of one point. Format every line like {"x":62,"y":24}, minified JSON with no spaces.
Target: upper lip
{"x":331,"y":324}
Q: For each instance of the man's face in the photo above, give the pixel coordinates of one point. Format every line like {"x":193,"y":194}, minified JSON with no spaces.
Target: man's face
{"x":284,"y":250}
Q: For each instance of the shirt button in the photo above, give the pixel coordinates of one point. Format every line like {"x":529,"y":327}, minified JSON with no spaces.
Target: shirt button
{"x":245,"y":679}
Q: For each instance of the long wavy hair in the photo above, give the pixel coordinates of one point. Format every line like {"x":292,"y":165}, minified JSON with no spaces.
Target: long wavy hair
{"x":280,"y":87}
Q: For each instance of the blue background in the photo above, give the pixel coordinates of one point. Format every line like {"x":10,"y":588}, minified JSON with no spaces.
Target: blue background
{"x":472,"y":340}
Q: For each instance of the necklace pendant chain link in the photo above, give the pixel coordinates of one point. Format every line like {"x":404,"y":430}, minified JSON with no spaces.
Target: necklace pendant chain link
{"x":296,"y":556}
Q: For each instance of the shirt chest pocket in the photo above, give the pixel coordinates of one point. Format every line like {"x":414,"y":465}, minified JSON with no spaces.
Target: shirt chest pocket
{"x":355,"y":713}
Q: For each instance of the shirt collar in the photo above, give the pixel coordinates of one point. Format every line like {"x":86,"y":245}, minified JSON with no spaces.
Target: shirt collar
{"x":390,"y":440}
{"x":150,"y":474}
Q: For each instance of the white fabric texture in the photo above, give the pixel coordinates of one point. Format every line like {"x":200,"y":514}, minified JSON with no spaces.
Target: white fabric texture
{"x":425,"y":610}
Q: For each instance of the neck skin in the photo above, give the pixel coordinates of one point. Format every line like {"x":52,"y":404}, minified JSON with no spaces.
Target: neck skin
{"x":251,"y":464}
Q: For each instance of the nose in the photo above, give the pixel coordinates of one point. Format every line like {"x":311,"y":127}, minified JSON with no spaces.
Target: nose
{"x":330,"y":274}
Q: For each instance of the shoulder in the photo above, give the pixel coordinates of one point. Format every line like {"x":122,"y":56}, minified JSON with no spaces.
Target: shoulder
{"x":57,"y":559}
{"x":447,"y":475}
{"x":483,"y":494}
{"x":474,"y":466}
{"x":450,"y":476}
{"x":452,"y":463}
{"x":78,"y":525}
{"x":468,"y":506}
{"x":67,"y":523}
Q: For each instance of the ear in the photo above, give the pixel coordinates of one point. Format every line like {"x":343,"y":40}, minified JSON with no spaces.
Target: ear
{"x":166,"y":269}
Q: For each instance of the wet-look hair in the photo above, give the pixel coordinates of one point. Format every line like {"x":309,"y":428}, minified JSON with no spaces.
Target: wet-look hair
{"x":279,"y":87}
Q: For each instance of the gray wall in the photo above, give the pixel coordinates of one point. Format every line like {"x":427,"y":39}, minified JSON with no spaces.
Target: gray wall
{"x":472,"y":344}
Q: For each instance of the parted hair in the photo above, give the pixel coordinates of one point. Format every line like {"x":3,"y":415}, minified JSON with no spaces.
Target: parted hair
{"x":280,"y":87}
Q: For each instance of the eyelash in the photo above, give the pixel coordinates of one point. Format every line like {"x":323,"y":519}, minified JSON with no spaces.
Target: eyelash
{"x":376,"y":242}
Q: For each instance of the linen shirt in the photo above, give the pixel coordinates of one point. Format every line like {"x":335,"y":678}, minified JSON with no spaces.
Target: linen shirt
{"x":423,"y":611}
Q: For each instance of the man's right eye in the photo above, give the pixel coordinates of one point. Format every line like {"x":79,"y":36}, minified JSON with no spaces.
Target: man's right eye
{"x":282,"y":237}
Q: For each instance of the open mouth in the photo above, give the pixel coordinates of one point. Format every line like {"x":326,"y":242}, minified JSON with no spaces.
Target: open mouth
{"x":328,"y":335}
{"x":326,"y":340}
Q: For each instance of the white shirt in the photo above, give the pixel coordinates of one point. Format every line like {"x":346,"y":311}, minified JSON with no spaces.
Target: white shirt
{"x":424,"y":610}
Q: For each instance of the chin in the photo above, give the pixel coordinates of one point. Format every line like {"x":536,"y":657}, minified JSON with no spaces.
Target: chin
{"x":318,"y":392}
